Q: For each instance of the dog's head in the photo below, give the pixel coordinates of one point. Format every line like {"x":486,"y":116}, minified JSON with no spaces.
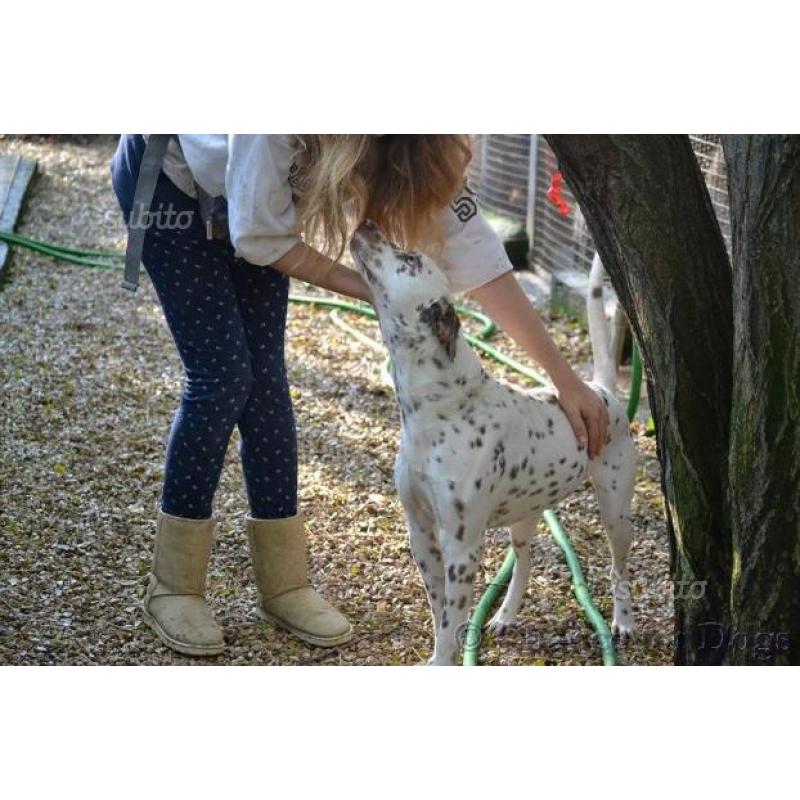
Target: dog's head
{"x":409,"y":290}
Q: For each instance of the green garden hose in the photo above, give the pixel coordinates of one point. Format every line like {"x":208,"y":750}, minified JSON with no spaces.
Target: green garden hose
{"x":581,"y":590}
{"x":636,"y":382}
{"x":98,"y":259}
{"x":472,"y":638}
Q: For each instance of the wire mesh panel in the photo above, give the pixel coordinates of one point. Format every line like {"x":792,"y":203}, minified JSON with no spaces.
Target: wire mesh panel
{"x":708,"y":149}
{"x":500,"y":173}
{"x":564,"y":243}
{"x":558,"y":242}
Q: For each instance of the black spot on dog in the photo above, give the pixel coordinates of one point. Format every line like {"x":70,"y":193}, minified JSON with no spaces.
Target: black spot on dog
{"x":460,"y":533}
{"x":462,"y":601}
{"x":597,"y":291}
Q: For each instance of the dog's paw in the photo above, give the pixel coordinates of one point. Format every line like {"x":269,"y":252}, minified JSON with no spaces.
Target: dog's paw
{"x":623,"y":628}
{"x":498,"y":625}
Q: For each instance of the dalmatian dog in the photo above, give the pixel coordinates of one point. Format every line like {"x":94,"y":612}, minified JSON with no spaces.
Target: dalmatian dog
{"x":476,"y":453}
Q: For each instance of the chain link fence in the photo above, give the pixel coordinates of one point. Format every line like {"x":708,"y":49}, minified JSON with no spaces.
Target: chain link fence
{"x":512,"y":172}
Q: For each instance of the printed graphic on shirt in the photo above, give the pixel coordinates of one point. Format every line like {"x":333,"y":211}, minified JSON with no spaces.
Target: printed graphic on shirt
{"x":465,"y":206}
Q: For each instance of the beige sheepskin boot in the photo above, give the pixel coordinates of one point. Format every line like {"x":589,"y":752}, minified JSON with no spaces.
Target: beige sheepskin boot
{"x":278,"y":549}
{"x":174,"y":604}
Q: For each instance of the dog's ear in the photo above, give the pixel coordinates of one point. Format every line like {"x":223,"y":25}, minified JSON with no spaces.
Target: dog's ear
{"x":443,"y":320}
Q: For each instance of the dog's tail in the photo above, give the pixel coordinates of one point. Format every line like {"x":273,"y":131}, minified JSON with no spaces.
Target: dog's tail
{"x":605,"y":370}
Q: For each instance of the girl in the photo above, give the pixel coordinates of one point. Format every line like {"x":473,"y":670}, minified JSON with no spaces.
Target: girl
{"x":224,"y":301}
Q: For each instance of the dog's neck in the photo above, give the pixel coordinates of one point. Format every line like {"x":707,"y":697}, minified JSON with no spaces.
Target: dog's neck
{"x":423,"y":374}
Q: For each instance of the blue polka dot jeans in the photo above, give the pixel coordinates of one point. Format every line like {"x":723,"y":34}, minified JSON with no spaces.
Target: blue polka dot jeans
{"x":227,"y":318}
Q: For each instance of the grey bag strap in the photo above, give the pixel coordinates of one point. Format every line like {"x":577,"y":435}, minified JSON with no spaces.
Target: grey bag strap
{"x":149,"y":170}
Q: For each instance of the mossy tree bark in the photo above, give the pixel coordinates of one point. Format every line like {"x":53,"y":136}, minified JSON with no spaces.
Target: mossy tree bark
{"x":722,"y":354}
{"x":764,"y":463}
{"x":653,"y":224}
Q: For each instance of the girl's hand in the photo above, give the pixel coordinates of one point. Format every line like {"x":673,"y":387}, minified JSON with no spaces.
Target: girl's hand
{"x":586,"y":412}
{"x":506,"y":303}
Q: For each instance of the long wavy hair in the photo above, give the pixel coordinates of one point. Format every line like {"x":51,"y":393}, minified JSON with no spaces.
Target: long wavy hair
{"x":401,"y":182}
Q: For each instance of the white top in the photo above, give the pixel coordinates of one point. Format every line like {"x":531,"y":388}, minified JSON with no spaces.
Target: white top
{"x":253,"y":172}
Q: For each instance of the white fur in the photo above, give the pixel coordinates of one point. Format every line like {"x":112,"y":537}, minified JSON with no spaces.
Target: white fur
{"x":476,"y":453}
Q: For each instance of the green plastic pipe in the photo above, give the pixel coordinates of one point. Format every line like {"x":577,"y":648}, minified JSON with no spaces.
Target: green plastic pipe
{"x":472,"y":638}
{"x":636,"y":382}
{"x":581,"y":590}
{"x":25,"y":241}
{"x":83,"y":258}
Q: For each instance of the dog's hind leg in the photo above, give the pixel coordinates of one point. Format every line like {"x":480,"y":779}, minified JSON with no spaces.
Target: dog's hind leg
{"x":521,"y":536}
{"x":613,"y":474}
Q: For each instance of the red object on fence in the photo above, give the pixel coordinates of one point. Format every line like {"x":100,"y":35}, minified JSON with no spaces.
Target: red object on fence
{"x":555,"y":194}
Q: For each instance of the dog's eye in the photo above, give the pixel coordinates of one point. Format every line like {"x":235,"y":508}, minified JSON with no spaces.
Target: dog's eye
{"x":411,"y":260}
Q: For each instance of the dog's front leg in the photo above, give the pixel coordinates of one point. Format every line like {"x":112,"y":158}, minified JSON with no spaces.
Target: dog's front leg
{"x":428,"y":558}
{"x":461,"y":549}
{"x":422,"y":538}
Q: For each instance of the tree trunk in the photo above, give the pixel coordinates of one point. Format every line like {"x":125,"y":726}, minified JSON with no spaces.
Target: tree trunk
{"x":647,"y":207}
{"x":764,"y":466}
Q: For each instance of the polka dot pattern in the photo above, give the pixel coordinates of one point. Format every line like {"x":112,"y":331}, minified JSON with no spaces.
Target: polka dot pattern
{"x":227,"y":318}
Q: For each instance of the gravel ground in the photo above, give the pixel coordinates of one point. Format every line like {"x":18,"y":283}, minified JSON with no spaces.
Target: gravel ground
{"x":90,"y":379}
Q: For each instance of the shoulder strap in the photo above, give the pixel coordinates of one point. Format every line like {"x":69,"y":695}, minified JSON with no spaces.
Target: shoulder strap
{"x":149,"y":170}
